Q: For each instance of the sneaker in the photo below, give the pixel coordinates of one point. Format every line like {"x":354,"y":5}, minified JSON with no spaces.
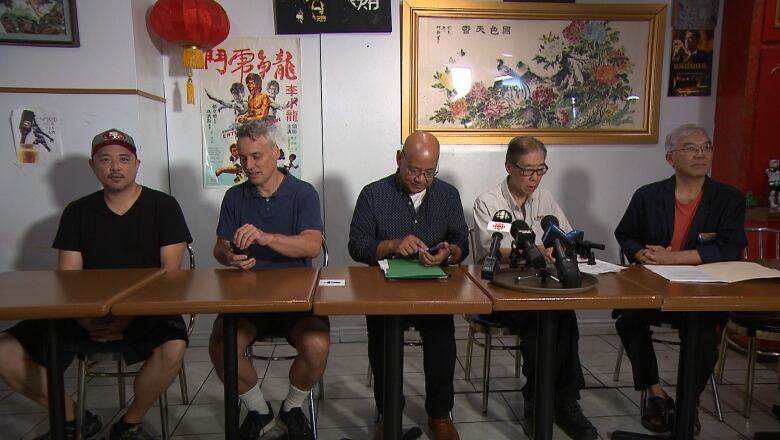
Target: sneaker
{"x":135,"y":433}
{"x":91,"y":429}
{"x":295,"y":424}
{"x":256,"y":425}
{"x":568,"y":415}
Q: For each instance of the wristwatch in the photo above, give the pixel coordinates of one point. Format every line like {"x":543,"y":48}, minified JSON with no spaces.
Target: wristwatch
{"x":449,"y":259}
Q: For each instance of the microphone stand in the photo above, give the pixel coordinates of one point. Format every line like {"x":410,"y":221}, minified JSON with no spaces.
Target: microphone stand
{"x":513,"y":255}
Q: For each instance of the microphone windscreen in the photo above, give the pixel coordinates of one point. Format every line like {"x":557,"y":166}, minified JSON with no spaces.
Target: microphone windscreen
{"x":548,"y":220}
{"x":518,"y":225}
{"x":503,"y":216}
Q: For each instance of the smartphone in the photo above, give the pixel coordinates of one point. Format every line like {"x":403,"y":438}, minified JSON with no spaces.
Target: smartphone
{"x":435,"y":249}
{"x":236,"y":250}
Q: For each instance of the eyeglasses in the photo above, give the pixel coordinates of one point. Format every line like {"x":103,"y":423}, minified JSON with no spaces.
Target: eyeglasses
{"x":694,"y":148}
{"x":416,"y":172}
{"x":527,"y":172}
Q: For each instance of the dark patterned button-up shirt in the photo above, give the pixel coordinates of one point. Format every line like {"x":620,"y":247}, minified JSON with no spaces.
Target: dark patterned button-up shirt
{"x":384,"y":211}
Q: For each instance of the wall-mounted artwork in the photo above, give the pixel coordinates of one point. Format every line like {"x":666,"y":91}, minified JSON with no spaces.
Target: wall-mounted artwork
{"x":39,"y":23}
{"x":332,"y":16}
{"x":482,"y":73}
{"x":250,"y":79}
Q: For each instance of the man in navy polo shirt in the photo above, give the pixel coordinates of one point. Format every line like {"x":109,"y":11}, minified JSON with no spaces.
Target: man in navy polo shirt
{"x":272,"y":220}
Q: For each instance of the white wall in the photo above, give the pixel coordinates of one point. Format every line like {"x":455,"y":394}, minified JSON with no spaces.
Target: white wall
{"x":351,"y":128}
{"x":111,"y":56}
{"x":360,"y":131}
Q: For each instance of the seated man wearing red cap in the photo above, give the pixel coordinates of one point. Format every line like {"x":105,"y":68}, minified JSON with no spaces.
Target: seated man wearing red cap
{"x":124,"y":225}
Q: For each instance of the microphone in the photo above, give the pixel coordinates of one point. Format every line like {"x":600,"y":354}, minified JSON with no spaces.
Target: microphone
{"x":525,"y":239}
{"x":582,"y":247}
{"x":552,"y":231}
{"x":500,"y":223}
{"x":565,"y":260}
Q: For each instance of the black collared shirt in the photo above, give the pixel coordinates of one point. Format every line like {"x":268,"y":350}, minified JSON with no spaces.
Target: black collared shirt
{"x":384,"y":211}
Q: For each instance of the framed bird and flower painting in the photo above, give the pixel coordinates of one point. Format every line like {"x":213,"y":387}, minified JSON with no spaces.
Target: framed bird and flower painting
{"x":484,"y":72}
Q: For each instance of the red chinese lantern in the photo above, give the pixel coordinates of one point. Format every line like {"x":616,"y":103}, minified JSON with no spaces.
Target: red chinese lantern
{"x":194,"y":24}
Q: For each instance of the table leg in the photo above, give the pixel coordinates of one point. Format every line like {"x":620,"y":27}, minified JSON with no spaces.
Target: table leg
{"x":394,"y":367}
{"x":689,"y":364}
{"x":545,"y":375}
{"x":231,"y":376}
{"x":55,"y":383}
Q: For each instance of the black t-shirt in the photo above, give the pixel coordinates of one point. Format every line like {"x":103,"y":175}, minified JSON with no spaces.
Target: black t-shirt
{"x":107,"y":240}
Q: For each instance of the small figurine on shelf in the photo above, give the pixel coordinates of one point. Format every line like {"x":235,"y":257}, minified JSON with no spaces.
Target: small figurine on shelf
{"x":750,"y":200}
{"x":773,"y":173}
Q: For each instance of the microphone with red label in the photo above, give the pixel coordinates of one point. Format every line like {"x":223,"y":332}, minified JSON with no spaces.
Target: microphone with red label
{"x":501,"y":222}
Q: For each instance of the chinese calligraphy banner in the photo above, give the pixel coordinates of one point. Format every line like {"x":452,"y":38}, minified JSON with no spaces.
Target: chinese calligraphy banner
{"x":332,"y":16}
{"x":248,"y":79}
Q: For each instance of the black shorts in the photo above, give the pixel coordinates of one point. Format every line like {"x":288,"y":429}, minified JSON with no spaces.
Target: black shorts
{"x":278,"y":325}
{"x":141,"y":337}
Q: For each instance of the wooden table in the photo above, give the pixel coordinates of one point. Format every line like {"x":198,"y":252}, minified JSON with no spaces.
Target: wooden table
{"x":54,"y":295}
{"x":367,"y":293}
{"x":693,"y":299}
{"x":613,"y":291}
{"x":226,"y":291}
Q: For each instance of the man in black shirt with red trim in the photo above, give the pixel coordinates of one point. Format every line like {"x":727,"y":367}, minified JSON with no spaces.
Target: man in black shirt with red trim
{"x":125,"y":225}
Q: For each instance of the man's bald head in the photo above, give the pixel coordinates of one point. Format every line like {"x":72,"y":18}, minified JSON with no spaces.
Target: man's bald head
{"x":418,"y":157}
{"x":421,"y":144}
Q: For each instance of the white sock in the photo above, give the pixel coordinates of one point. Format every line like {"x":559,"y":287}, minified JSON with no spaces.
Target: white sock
{"x":253,"y":400}
{"x":295,"y":398}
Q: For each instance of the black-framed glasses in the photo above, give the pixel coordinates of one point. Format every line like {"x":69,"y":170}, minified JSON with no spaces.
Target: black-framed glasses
{"x":416,"y":172}
{"x":527,"y":172}
{"x":695,"y":148}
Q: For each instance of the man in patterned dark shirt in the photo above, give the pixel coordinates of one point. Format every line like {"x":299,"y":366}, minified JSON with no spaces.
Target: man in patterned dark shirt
{"x":404,"y":215}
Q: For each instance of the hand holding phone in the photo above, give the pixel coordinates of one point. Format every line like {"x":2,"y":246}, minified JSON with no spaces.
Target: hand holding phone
{"x":237,"y":250}
{"x":435,"y":249}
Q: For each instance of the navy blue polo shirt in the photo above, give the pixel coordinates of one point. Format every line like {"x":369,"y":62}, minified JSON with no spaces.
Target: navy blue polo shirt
{"x":292,"y":209}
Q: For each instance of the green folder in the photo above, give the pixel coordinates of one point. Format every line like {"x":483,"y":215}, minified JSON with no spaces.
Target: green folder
{"x":403,"y":269}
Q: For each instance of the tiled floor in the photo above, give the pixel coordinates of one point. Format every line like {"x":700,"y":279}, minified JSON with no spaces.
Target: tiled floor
{"x":347,"y":412}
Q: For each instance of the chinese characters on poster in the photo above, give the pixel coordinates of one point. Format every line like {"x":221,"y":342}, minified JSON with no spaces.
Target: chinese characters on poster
{"x":247,"y":79}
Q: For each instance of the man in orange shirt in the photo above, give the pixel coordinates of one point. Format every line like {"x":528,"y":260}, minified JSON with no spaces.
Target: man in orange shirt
{"x":686,"y":219}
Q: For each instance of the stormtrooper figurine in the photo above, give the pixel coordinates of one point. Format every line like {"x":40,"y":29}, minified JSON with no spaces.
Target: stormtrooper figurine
{"x":773,"y":173}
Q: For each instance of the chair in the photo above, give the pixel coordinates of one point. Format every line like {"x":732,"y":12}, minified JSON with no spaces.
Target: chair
{"x":643,"y":393}
{"x":276,"y":341}
{"x":484,"y":325}
{"x":755,"y":326}
{"x":89,"y":354}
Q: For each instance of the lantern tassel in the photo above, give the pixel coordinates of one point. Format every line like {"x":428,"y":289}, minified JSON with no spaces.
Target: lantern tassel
{"x":193,"y":58}
{"x":190,"y":89}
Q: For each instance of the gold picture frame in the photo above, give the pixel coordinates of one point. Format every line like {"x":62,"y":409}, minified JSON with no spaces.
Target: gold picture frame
{"x":483,"y":72}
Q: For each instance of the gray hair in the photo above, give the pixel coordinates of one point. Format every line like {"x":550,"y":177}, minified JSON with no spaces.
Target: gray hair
{"x":256,"y":128}
{"x":522,"y":145}
{"x":682,"y":131}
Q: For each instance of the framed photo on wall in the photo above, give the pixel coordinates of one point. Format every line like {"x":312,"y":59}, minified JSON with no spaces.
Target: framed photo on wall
{"x":50,"y":23}
{"x":483,"y":72}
